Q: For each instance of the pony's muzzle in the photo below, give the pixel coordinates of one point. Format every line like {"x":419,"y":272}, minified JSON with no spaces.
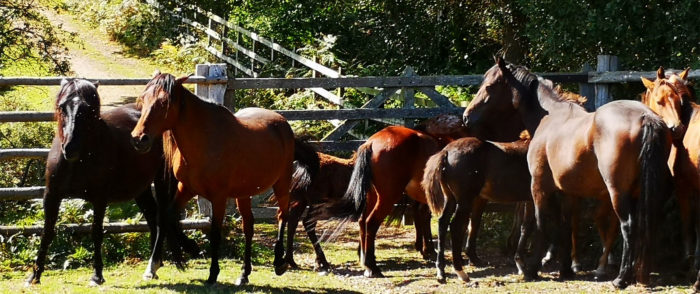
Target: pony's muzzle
{"x":70,"y":154}
{"x":142,"y":143}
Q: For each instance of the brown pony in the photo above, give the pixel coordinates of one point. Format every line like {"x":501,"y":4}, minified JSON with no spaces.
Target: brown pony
{"x":389,"y":164}
{"x":617,"y":153}
{"x":323,"y":193}
{"x":89,"y":156}
{"x":219,"y":155}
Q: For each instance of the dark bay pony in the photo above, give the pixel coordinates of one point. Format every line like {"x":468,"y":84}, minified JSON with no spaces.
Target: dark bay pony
{"x":617,"y":153}
{"x":673,"y":99}
{"x":218,"y":155}
{"x":389,"y":164}
{"x":92,"y":158}
{"x":324,"y":192}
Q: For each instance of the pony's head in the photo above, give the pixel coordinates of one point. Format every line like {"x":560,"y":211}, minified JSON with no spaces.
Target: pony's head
{"x":160,"y":105}
{"x":77,"y":107}
{"x":665,"y":96}
{"x":497,"y":101}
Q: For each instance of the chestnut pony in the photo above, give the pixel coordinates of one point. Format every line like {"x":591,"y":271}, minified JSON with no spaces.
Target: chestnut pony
{"x":219,"y":155}
{"x":673,"y":100}
{"x":617,"y":153}
{"x":322,"y":194}
{"x":389,"y":164}
{"x":91,"y":158}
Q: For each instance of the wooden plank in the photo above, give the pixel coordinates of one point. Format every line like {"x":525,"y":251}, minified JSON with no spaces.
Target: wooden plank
{"x":602,"y":91}
{"x":233,"y":62}
{"x":41,"y":153}
{"x":346,"y":126}
{"x":217,"y":92}
{"x":25,"y":116}
{"x":201,"y":90}
{"x":22,"y":193}
{"x":328,"y":96}
{"x":56,"y":81}
{"x":436,"y":97}
{"x":355,"y":82}
{"x":367,"y":113}
{"x":334,"y":146}
{"x":409,"y":96}
{"x":587,"y":90}
{"x":110,"y":228}
{"x":614,"y":77}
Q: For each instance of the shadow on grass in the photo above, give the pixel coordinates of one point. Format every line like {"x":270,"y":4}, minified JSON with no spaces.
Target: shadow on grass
{"x":198,"y":286}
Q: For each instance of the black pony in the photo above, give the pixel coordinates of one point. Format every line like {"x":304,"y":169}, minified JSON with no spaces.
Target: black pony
{"x":91,"y":158}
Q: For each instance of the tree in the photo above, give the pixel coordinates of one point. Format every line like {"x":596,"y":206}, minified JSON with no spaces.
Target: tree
{"x":26,"y":34}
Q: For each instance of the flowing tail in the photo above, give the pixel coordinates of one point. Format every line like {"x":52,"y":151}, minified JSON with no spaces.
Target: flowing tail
{"x":432,"y":182}
{"x":655,"y":181}
{"x":352,"y":204}
{"x":306,"y":164}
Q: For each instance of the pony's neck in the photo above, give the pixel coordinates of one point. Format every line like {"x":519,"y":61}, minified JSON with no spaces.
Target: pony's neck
{"x":544,"y":101}
{"x":688,"y":110}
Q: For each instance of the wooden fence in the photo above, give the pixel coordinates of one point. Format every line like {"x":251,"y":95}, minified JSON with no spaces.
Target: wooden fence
{"x":211,"y":82}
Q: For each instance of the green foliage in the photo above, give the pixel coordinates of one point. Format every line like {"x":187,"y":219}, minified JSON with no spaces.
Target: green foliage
{"x":27,"y":35}
{"x":139,"y":26}
{"x":180,"y":58}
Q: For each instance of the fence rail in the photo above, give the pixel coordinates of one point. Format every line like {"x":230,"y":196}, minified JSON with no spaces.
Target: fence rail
{"x":115,"y":227}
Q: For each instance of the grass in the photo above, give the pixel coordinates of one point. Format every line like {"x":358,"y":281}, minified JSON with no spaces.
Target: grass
{"x":405,"y":272}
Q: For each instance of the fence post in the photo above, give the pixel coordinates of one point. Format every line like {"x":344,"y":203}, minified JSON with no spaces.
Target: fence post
{"x":587,"y":90}
{"x":409,"y":98}
{"x":602,"y":91}
{"x":214,"y":93}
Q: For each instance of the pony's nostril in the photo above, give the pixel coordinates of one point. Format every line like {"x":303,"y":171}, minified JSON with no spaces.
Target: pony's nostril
{"x":145,"y":138}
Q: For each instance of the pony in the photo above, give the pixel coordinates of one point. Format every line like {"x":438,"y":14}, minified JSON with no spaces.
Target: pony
{"x":673,"y":99}
{"x":218,"y":155}
{"x":88,"y":158}
{"x":324,"y":192}
{"x":389,"y":164}
{"x":617,"y":154}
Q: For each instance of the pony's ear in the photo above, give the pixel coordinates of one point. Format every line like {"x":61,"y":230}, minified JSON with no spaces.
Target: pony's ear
{"x":501,"y":63}
{"x":155,"y":73}
{"x":660,"y":73}
{"x":647,"y":83}
{"x":96,"y":84}
{"x":684,"y":74}
{"x":64,"y":82}
{"x":181,"y":80}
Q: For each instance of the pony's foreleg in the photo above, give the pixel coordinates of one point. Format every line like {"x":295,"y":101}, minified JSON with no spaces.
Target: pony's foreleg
{"x":244,"y":208}
{"x":322,"y":265}
{"x":474,"y":228}
{"x":545,"y":220}
{"x":295,"y":211}
{"x":685,"y":207}
{"x":97,"y":237}
{"x":418,"y":224}
{"x":51,"y":206}
{"x":443,"y":224}
{"x":527,"y":222}
{"x":218,"y":212}
{"x":147,"y":205}
{"x":458,"y":227}
{"x":281,"y":189}
{"x":574,"y":216}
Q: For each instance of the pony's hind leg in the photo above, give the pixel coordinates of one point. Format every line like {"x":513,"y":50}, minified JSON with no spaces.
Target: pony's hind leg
{"x":218,"y":212}
{"x":295,"y":211}
{"x":623,"y":208}
{"x":244,"y":208}
{"x":527,"y":222}
{"x":51,"y":206}
{"x":443,"y":224}
{"x":281,"y":189}
{"x":607,"y":227}
{"x":566,"y":238}
{"x":322,"y":265}
{"x":474,"y":228}
{"x":97,"y":237}
{"x":458,"y":227}
{"x":424,"y":238}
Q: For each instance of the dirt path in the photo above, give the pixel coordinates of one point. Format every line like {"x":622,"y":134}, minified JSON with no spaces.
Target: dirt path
{"x":93,"y":55}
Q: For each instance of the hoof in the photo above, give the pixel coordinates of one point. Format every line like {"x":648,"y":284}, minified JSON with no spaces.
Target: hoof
{"x":210,"y":281}
{"x":96,"y":281}
{"x":620,"y":283}
{"x":281,"y":269}
{"x":600,"y":274}
{"x":567,"y":274}
{"x":373,"y":273}
{"x":150,"y":276}
{"x":442,"y":280}
{"x":242,"y":281}
{"x":322,"y":269}
{"x":696,"y":287}
{"x":531,"y":276}
{"x":576,"y":267}
{"x":324,"y":272}
{"x":429,"y":255}
{"x":32,"y":281}
{"x":477,"y":262}
{"x":462,"y":276}
{"x":292,"y":264}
